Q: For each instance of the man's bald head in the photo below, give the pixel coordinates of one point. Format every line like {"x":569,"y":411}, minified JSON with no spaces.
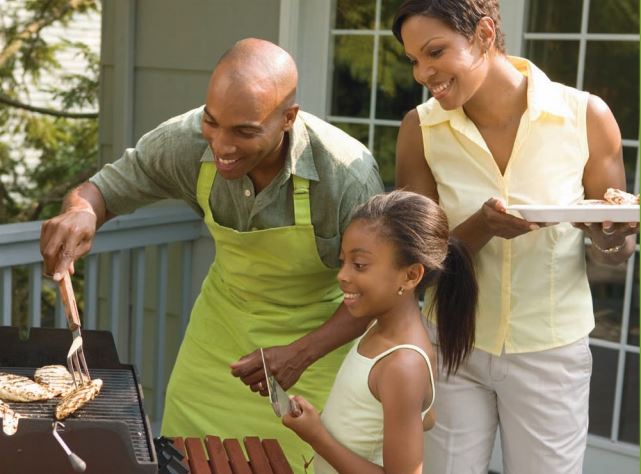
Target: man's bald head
{"x":262,"y":68}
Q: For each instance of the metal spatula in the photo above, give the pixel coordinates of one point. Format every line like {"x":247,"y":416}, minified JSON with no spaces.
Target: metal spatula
{"x":76,"y":356}
{"x":277,"y":396}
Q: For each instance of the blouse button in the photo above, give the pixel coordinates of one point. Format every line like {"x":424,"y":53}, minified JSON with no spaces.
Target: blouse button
{"x":248,"y":193}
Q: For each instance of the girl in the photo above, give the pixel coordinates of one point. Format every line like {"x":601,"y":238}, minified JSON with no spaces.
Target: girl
{"x":395,"y":246}
{"x":497,"y":131}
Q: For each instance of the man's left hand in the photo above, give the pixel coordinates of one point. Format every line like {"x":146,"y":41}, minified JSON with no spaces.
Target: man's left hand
{"x":285,"y":363}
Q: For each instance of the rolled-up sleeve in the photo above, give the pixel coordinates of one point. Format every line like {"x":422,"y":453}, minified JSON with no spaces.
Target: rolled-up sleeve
{"x":357,"y":193}
{"x":164,"y":164}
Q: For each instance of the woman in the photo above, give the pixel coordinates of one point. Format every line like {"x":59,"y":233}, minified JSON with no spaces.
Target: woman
{"x":498,"y":131}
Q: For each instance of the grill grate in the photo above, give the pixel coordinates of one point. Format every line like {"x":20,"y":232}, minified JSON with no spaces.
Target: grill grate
{"x":118,"y":400}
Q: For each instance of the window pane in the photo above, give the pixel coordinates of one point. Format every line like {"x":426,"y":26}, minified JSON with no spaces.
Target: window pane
{"x":629,"y":420}
{"x":385,"y":152}
{"x":614,"y":16}
{"x":352,"y":75}
{"x":602,"y":383}
{"x":630,"y":157}
{"x":388,"y":10}
{"x":554,"y":16}
{"x":558,"y":59}
{"x":357,"y":130}
{"x":633,"y":325}
{"x":612,"y":73}
{"x":354,"y":14}
{"x":397,"y":91}
{"x":608,"y":285}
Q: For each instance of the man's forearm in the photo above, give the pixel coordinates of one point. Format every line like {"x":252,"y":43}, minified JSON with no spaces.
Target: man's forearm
{"x":87,"y":197}
{"x":340,"y":329}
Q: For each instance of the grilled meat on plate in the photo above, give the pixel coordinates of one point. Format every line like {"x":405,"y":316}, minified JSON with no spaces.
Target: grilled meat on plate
{"x":616,"y":196}
{"x":77,"y":398}
{"x":9,"y":419}
{"x":16,"y":388}
{"x":56,"y":378}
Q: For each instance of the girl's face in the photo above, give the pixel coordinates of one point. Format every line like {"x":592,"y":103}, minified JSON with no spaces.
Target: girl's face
{"x":369,"y":275}
{"x":443,"y":60}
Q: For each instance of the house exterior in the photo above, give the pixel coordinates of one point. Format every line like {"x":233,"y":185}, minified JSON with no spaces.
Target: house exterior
{"x":157,"y":56}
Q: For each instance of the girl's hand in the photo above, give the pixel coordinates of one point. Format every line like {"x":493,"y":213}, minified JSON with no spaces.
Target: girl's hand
{"x":501,"y":224}
{"x":304,"y":420}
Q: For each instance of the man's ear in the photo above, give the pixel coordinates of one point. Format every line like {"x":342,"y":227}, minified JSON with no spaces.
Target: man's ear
{"x":290,"y":116}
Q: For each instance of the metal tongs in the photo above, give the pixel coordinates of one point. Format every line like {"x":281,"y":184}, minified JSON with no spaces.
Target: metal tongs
{"x":76,"y":356}
{"x":76,"y":462}
{"x":281,"y":403}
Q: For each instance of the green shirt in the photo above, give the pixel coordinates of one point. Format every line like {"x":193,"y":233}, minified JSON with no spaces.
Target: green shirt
{"x":165,"y":164}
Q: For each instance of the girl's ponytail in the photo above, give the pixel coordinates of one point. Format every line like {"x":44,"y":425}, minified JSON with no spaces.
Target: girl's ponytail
{"x":456,"y":299}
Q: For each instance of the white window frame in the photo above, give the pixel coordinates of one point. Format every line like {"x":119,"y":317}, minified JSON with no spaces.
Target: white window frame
{"x":305,"y":31}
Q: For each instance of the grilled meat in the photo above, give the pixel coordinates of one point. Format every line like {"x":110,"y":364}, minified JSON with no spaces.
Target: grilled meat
{"x":616,"y":196}
{"x":9,"y":419}
{"x":77,"y":398}
{"x":16,"y":388}
{"x":56,"y":378}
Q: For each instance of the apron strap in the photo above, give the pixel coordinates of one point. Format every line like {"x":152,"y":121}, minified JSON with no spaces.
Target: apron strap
{"x":302,"y":205}
{"x":206,"y":177}
{"x":207,"y":173}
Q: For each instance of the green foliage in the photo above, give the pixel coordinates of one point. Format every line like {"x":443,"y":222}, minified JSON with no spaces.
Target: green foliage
{"x":42,"y":155}
{"x":63,"y":149}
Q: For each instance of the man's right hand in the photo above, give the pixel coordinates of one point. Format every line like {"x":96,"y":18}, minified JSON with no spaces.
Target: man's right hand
{"x":68,"y":236}
{"x":65,"y":238}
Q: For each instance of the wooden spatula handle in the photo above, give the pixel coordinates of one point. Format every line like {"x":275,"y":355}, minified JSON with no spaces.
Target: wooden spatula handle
{"x":69,"y":302}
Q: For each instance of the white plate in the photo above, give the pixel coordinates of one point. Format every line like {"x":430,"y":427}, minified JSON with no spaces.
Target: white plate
{"x":578,"y":212}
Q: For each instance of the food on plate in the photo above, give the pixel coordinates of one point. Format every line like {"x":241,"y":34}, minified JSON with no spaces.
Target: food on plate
{"x":56,"y":378}
{"x":16,"y":388}
{"x":616,"y":196}
{"x":77,"y":398}
{"x":9,"y":419}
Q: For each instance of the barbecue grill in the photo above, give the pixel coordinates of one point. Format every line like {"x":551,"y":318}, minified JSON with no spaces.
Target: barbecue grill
{"x":111,"y":433}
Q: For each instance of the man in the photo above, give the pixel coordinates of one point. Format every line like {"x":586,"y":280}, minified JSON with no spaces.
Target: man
{"x":275,"y":187}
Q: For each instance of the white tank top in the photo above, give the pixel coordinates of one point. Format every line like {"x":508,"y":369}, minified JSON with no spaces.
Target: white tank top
{"x":352,"y":415}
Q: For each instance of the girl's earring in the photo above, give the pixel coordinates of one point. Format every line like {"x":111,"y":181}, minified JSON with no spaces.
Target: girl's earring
{"x":400,"y":291}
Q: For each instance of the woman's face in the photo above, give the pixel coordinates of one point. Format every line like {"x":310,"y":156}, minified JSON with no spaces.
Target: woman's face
{"x":446,"y":62}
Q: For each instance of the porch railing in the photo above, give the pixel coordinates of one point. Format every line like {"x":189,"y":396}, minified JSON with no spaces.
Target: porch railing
{"x":128,"y":278}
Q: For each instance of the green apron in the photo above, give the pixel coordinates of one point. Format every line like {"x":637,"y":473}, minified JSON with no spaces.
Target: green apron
{"x":265,"y":288}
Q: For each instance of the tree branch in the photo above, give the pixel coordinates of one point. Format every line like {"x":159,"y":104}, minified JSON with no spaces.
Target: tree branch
{"x":34,"y":28}
{"x":41,"y":110}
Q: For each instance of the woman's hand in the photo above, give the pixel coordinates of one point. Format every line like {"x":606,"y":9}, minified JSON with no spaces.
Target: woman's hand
{"x":499,"y":223}
{"x":304,"y":420}
{"x":608,"y":235}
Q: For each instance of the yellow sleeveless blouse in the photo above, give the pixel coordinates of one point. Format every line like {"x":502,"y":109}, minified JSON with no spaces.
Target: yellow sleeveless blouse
{"x":533,"y":289}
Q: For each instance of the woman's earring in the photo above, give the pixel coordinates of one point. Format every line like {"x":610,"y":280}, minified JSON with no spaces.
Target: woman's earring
{"x":400,"y":291}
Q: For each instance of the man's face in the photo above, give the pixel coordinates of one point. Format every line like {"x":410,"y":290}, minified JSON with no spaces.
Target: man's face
{"x":244,"y":127}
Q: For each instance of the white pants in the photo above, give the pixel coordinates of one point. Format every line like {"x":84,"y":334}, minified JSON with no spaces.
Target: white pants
{"x":539,"y":401}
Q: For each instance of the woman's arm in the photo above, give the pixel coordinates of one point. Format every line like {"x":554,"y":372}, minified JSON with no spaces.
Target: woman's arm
{"x":604,"y":169}
{"x":414,"y":174}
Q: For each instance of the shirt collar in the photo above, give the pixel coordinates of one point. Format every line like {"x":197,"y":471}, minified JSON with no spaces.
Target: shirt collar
{"x":300,"y":156}
{"x":542,"y":98}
